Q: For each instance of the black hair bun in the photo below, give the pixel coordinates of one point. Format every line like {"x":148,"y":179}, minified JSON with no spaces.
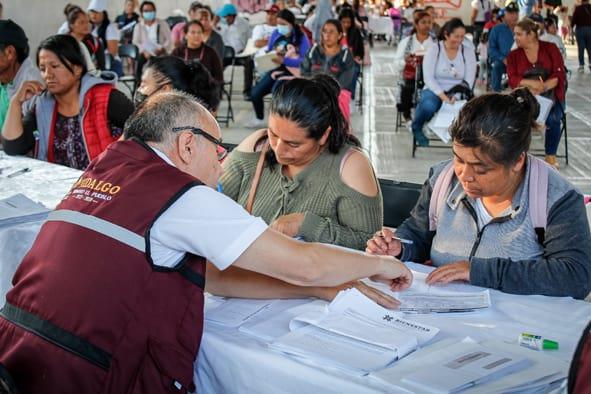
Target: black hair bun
{"x":527,"y":102}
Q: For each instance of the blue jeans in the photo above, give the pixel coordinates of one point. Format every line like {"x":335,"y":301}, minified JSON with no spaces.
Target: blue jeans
{"x":354,"y":84}
{"x":583,"y":35}
{"x":553,"y":129}
{"x":264,"y":86}
{"x":428,"y":106}
{"x":496,"y":75}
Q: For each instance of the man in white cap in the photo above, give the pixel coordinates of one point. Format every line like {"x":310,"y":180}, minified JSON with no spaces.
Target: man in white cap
{"x":233,"y":28}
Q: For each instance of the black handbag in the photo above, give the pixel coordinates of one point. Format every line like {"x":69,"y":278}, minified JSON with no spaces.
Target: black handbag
{"x":537,"y":73}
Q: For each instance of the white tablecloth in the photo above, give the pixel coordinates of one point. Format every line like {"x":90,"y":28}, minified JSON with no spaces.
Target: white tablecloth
{"x":45,"y":183}
{"x":233,"y":362}
{"x":380,"y":25}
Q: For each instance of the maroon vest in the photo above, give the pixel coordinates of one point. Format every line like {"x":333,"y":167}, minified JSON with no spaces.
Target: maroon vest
{"x":103,"y":317}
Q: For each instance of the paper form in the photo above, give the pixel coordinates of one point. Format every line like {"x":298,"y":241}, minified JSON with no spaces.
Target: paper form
{"x":235,"y":311}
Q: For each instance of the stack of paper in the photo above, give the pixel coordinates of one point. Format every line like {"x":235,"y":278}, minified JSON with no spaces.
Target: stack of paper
{"x":452,"y":366}
{"x":19,"y":209}
{"x":353,"y":334}
{"x":440,"y":123}
{"x":455,"y":297}
{"x":235,"y":311}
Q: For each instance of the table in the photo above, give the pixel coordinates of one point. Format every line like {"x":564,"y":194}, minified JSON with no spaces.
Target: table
{"x":381,"y":25}
{"x":46,"y":183}
{"x":233,"y":362}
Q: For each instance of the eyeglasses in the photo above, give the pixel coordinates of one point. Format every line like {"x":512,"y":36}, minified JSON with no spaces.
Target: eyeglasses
{"x":220,"y":150}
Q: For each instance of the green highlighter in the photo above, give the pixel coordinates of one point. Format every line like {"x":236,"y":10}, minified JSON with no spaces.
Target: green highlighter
{"x":536,"y":342}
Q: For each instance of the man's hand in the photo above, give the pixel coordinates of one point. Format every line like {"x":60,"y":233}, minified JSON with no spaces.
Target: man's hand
{"x":27,"y":90}
{"x":383,"y":243}
{"x":329,"y":293}
{"x":289,"y":224}
{"x":395,"y":274}
{"x":459,"y":270}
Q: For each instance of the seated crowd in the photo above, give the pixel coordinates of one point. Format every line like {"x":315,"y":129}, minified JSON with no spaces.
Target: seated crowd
{"x":482,"y":216}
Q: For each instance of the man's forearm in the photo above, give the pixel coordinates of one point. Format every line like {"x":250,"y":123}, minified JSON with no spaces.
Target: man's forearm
{"x":239,"y":283}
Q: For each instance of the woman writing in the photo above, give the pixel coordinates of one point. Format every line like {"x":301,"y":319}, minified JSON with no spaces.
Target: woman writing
{"x":538,"y":66}
{"x":314,"y":182}
{"x":77,"y":115}
{"x":196,"y":49}
{"x":409,"y":57}
{"x":485,"y":216}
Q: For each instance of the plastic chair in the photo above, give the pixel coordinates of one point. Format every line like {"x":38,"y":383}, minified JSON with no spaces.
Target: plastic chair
{"x":132,"y":53}
{"x":229,"y":60}
{"x":399,"y":200}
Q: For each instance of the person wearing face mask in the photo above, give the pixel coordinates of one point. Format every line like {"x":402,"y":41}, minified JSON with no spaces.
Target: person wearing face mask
{"x":291,"y":46}
{"x":485,"y":217}
{"x":77,"y":115}
{"x":446,"y":64}
{"x":151,"y":35}
{"x":164,"y":73}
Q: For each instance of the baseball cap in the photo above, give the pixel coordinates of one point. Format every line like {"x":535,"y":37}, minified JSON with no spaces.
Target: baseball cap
{"x":227,"y":9}
{"x":273,"y":9}
{"x":97,"y":5}
{"x":511,"y":7}
{"x":12,"y":34}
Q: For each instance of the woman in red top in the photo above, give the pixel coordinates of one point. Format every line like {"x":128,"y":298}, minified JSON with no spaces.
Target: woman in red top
{"x":538,"y":66}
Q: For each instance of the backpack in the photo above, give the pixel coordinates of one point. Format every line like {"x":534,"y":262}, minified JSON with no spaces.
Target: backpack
{"x":538,"y":195}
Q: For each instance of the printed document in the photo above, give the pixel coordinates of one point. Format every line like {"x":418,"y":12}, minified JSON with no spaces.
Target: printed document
{"x":235,"y":311}
{"x":20,"y":209}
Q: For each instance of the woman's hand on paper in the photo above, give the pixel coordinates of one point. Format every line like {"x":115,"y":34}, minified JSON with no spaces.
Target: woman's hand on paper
{"x":329,"y":293}
{"x":459,"y":270}
{"x":383,"y":243}
{"x":289,"y":224}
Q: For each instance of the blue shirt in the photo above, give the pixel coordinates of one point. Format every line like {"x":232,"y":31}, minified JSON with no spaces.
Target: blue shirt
{"x":302,"y":46}
{"x":500,"y":41}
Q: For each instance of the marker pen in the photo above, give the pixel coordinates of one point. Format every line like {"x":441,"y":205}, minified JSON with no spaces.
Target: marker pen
{"x":536,"y":342}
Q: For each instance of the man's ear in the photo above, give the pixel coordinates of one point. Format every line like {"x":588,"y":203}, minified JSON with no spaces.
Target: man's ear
{"x":185,"y":146}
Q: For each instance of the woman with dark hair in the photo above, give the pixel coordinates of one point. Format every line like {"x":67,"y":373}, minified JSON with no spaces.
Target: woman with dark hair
{"x":165,"y":73}
{"x":409,"y":57}
{"x":486,"y":217}
{"x":91,"y":47}
{"x":538,"y":66}
{"x":352,"y":37}
{"x":314,"y":182}
{"x":76,"y":115}
{"x":291,"y":46}
{"x":64,"y":28}
{"x":446,"y":65}
{"x":330,"y":57}
{"x":195,"y":48}
{"x":106,"y":32}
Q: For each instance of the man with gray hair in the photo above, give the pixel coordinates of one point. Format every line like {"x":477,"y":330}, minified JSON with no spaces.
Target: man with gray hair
{"x":110,"y":296}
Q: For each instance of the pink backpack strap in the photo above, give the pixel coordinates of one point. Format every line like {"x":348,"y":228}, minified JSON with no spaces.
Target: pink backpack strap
{"x":438,"y":195}
{"x":538,"y":193}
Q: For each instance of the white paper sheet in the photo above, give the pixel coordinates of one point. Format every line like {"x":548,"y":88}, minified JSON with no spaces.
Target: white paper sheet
{"x":234,"y":312}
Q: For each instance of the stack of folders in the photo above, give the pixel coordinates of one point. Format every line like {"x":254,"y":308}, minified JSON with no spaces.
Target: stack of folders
{"x":452,"y":366}
{"x":353,"y":334}
{"x":20,"y":209}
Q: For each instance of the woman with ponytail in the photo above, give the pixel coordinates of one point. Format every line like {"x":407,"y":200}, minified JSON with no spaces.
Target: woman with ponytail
{"x":165,"y":73}
{"x":314,"y":182}
{"x":496,"y":216}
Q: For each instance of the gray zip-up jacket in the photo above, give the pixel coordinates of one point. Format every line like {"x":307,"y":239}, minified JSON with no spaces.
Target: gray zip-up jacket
{"x":506,"y":253}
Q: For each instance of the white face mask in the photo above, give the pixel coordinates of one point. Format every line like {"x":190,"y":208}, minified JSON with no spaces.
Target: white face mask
{"x":149,"y":15}
{"x":284,"y":30}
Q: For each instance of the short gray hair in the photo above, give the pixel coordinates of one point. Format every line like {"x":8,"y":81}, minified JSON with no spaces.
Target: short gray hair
{"x":155,"y":118}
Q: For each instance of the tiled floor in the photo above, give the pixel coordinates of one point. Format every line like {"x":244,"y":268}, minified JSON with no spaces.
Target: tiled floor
{"x":390,"y":151}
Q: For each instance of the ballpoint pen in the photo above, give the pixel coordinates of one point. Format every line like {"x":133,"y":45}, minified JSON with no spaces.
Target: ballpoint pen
{"x":19,"y":172}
